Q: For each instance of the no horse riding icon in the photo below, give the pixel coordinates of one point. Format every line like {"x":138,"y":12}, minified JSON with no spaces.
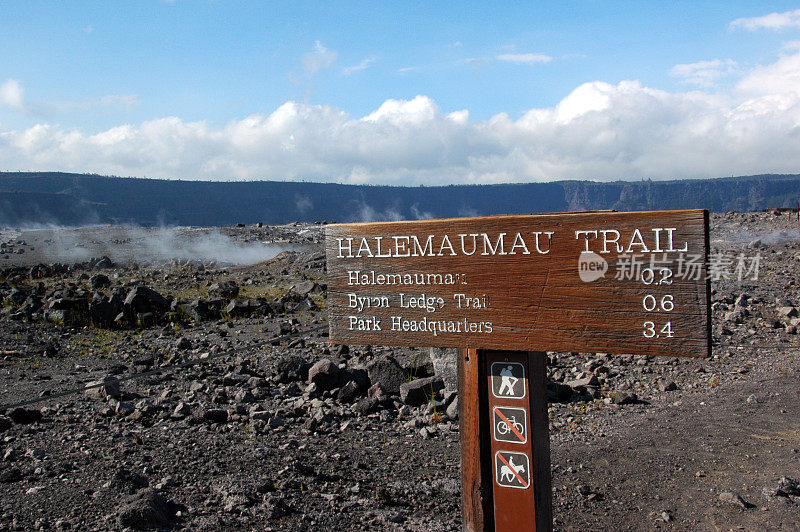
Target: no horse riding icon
{"x":512,"y":470}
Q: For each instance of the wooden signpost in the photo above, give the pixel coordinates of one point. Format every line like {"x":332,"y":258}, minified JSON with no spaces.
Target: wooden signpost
{"x":505,"y":289}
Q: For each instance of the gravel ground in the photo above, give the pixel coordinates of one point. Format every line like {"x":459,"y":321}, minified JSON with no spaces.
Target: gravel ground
{"x":298,"y":435}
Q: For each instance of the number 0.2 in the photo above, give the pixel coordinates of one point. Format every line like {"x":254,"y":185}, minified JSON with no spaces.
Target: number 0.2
{"x":650,"y":330}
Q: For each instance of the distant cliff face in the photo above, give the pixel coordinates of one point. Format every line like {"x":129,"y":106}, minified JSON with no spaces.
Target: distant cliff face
{"x":79,"y":199}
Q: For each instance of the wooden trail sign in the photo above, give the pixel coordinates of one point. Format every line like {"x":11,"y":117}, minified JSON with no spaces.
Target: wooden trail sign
{"x":623,"y":283}
{"x":504,"y":289}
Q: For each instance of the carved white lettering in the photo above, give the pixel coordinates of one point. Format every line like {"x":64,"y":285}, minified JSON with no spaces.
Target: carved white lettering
{"x":446,"y":244}
{"x":670,"y":246}
{"x":607,"y":240}
{"x":586,"y":237}
{"x":488,"y":249}
{"x":519,"y":242}
{"x":465,"y":301}
{"x":637,"y":240}
{"x":428,"y":303}
{"x":474,"y":243}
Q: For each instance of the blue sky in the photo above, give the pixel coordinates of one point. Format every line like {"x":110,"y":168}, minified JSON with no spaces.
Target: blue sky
{"x":405,"y":94}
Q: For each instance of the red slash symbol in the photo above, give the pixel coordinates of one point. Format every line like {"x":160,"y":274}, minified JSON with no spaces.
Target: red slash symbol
{"x":512,"y":469}
{"x":510,"y":425}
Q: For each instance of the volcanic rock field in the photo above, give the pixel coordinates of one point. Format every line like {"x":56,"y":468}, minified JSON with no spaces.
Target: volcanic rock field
{"x":185,"y":414}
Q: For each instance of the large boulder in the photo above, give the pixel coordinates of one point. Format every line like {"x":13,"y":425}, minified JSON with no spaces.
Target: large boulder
{"x":445,"y":365}
{"x":107,"y":387}
{"x":103,"y":310}
{"x":386,"y":371}
{"x":23,"y":416}
{"x":420,"y":391}
{"x":291,"y":368}
{"x":224,"y":289}
{"x":144,"y":510}
{"x":200,"y":310}
{"x":141,"y":300}
{"x":99,"y":280}
{"x":103,"y":263}
{"x":40,"y":271}
{"x":325,"y":374}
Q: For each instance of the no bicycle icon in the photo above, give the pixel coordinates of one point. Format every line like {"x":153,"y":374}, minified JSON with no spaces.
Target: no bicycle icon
{"x":510,"y":424}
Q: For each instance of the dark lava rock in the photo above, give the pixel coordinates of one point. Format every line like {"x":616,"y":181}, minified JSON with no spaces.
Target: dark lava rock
{"x":307,"y":287}
{"x":104,"y":263}
{"x":275,"y":507}
{"x":103,"y":310}
{"x":99,"y":280}
{"x":23,"y":416}
{"x":789,"y":486}
{"x":325,"y":374}
{"x":11,"y":474}
{"x":67,"y":303}
{"x":420,"y":391}
{"x":731,"y":497}
{"x":51,"y":349}
{"x":200,"y":310}
{"x":224,"y":289}
{"x":386,"y":371}
{"x":666,"y":385}
{"x":144,"y":360}
{"x":144,"y":510}
{"x":366,"y":406}
{"x":40,"y":271}
{"x":348,"y":392}
{"x":291,"y":368}
{"x":358,"y":375}
{"x":376,"y":391}
{"x":625,"y":398}
{"x":238,"y":308}
{"x":142,"y":299}
{"x":216,"y":415}
{"x":107,"y":387}
{"x":127,"y":481}
{"x":558,"y":392}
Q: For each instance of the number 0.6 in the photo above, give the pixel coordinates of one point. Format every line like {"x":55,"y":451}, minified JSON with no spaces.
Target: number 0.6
{"x":650,"y":303}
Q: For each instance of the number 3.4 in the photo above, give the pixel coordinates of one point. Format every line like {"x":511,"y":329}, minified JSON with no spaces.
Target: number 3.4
{"x":650,"y":330}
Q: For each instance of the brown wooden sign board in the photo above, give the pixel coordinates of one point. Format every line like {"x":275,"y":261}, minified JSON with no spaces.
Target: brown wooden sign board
{"x":610,"y":282}
{"x":504,"y":289}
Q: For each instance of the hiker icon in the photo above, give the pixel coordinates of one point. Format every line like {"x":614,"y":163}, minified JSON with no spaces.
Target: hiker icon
{"x":508,"y":379}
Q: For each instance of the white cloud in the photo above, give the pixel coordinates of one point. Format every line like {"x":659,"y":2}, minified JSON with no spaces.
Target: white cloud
{"x":704,"y":73}
{"x":12,"y":95}
{"x":773,"y":21}
{"x":598,"y":131}
{"x":363,"y":65}
{"x":528,"y":59}
{"x":320,"y":59}
{"x":781,"y":77}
